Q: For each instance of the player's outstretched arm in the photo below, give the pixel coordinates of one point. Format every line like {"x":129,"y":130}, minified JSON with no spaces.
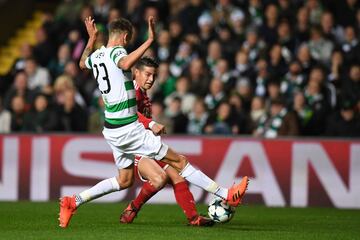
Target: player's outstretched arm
{"x":92,"y":31}
{"x":127,"y":62}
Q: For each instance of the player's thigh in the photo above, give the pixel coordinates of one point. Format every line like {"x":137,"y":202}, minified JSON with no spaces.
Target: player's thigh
{"x":126,"y":176}
{"x":175,"y":160}
{"x":173,"y":175}
{"x":151,"y":171}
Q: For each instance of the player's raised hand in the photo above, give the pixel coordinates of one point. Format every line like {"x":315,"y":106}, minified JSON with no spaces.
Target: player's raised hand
{"x":151,"y":30}
{"x":91,"y":27}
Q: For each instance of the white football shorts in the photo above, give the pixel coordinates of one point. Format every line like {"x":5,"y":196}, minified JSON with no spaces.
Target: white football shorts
{"x":133,"y":139}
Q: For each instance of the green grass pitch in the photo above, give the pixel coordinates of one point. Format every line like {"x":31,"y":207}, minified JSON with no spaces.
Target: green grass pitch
{"x":25,"y":220}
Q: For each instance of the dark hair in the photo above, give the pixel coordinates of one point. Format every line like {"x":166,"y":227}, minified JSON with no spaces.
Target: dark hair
{"x":121,"y":25}
{"x":146,"y":61}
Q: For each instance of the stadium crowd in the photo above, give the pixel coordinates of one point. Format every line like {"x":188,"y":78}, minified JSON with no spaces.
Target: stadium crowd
{"x":266,"y":68}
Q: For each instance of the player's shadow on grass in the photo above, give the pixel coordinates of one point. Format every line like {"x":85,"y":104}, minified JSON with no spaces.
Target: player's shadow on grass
{"x":248,"y":228}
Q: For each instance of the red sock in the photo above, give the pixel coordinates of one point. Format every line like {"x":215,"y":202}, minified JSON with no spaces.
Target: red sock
{"x":147,"y":191}
{"x":185,"y":199}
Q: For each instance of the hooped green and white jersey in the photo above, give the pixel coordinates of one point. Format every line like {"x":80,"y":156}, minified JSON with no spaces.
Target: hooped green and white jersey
{"x":116,"y":86}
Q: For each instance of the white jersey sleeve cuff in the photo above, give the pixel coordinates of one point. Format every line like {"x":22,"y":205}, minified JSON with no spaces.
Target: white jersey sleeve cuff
{"x":151,"y":124}
{"x":88,"y":63}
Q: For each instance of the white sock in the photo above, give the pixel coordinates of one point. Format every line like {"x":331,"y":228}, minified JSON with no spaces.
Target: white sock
{"x":102,"y":188}
{"x":199,"y":179}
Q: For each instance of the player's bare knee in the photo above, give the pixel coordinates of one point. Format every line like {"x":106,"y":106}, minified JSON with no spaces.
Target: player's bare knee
{"x":159,"y":180}
{"x":125,"y":182}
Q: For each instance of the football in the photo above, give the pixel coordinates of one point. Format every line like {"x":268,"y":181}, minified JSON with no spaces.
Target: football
{"x":220,"y":211}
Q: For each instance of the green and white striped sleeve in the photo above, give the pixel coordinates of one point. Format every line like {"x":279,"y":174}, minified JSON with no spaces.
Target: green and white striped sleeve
{"x":88,"y":62}
{"x":117,"y":53}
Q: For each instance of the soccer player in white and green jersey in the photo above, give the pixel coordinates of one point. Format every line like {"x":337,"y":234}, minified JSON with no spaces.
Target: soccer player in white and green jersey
{"x":126,"y":136}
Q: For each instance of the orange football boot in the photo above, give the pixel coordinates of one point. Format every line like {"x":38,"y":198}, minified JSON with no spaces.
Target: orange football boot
{"x":67,"y":209}
{"x":236,"y":192}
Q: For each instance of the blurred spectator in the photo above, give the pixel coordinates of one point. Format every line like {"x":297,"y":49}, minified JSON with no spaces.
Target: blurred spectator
{"x":241,"y":119}
{"x":315,"y":10}
{"x":243,"y":68}
{"x":101,"y":10}
{"x":222,"y":72}
{"x":5,"y":119}
{"x":26,"y":52}
{"x":303,"y":112}
{"x":61,"y":86}
{"x":279,"y":122}
{"x":287,"y":10}
{"x":76,"y":44}
{"x":351,"y":46}
{"x":302,"y":28}
{"x":285,"y":38}
{"x":222,"y":11}
{"x":158,"y":115}
{"x":197,"y":117}
{"x":228,"y":42}
{"x":277,"y":66}
{"x":40,"y":118}
{"x":57,"y":66}
{"x":345,"y":11}
{"x":256,"y":12}
{"x":222,"y":121}
{"x":253,"y":46}
{"x":337,"y":69}
{"x":237,"y":22}
{"x":163,"y":47}
{"x":181,"y":60}
{"x":190,"y":14}
{"x":182,"y":92}
{"x":351,"y":88}
{"x":19,"y":88}
{"x":44,"y":49}
{"x":17,"y":114}
{"x":344,"y":123}
{"x":214,"y":53}
{"x":330,"y":30}
{"x":316,"y":100}
{"x":268,"y":29}
{"x":262,"y":77}
{"x":292,"y":82}
{"x":198,"y":75}
{"x":305,"y":59}
{"x":257,"y":111}
{"x":71,"y":116}
{"x":38,"y":77}
{"x":327,"y":88}
{"x":216,"y":94}
{"x":133,"y":10}
{"x":244,"y":89}
{"x":165,"y":80}
{"x":207,"y":34}
{"x":320,"y":48}
{"x":273,"y":92}
{"x":176,"y":32}
{"x":178,"y":118}
{"x":82,"y":82}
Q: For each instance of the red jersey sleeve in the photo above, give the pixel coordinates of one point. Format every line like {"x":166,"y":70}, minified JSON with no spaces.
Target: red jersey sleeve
{"x":144,"y":120}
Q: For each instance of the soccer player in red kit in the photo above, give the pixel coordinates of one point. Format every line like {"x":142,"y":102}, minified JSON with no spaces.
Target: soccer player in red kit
{"x":156,"y":174}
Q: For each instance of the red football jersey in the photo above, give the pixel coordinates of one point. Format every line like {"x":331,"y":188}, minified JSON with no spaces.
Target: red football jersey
{"x":143,"y":105}
{"x":142,"y":101}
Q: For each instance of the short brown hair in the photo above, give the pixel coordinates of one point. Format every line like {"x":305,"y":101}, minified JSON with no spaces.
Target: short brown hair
{"x":146,"y":61}
{"x":121,"y":25}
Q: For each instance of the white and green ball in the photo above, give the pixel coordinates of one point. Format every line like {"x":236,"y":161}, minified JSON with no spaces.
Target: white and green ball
{"x":220,"y":211}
